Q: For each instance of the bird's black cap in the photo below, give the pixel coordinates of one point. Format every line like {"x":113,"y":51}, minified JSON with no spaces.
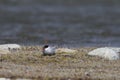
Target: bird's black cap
{"x":45,"y":46}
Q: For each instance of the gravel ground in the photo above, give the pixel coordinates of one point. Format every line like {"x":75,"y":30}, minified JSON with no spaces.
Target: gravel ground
{"x":28,"y":63}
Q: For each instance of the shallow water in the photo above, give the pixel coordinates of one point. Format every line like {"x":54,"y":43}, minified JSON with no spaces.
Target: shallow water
{"x":63,"y":22}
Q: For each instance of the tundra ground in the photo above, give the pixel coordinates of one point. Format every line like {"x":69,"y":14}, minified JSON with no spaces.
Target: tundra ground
{"x":28,"y":62}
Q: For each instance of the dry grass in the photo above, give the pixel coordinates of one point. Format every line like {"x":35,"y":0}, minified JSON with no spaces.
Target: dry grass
{"x":29,"y":63}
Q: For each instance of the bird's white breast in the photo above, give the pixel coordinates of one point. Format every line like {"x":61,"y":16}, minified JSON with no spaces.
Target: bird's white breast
{"x":50,"y":50}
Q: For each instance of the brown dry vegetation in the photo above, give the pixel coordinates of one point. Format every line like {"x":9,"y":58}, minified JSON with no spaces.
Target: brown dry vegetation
{"x":29,"y":63}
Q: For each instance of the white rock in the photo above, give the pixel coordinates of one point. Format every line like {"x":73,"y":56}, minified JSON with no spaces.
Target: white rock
{"x":4,"y":79}
{"x":105,"y":53}
{"x":116,"y":49}
{"x":9,"y":46}
{"x":65,"y":50}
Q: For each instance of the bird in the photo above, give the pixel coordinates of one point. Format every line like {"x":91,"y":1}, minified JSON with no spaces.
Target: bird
{"x":48,"y":50}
